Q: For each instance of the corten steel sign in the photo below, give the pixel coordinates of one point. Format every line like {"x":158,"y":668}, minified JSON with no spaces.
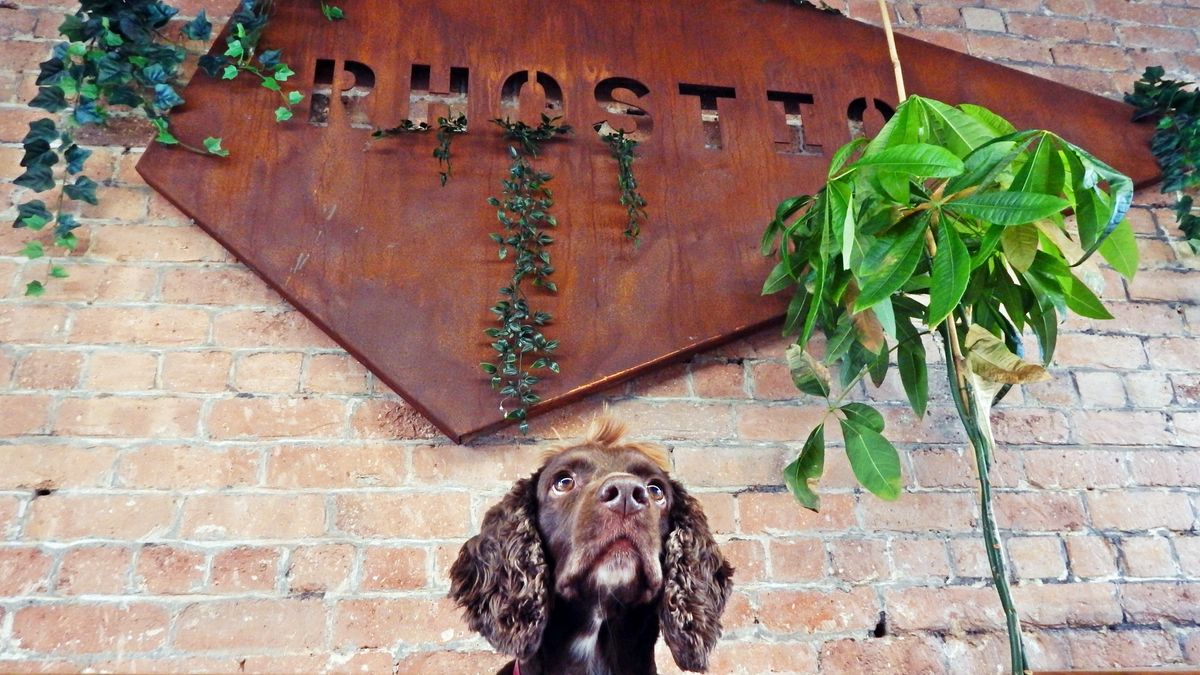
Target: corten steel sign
{"x":739,"y":104}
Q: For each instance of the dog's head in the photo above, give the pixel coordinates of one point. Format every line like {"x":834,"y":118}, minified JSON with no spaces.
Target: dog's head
{"x":600,"y":522}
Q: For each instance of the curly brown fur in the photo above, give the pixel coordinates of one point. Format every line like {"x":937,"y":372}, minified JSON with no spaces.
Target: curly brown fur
{"x":580,"y":564}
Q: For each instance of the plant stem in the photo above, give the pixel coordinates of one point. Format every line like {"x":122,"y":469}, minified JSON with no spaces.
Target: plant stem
{"x":891,"y":43}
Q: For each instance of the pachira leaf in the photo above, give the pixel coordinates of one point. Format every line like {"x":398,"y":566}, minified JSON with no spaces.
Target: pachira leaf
{"x":779,"y":279}
{"x":808,"y":374}
{"x":916,"y":159}
{"x":1121,"y":251}
{"x":1020,"y":245}
{"x":951,"y":272}
{"x":802,"y":475}
{"x":890,"y":262}
{"x":843,"y":154}
{"x":1068,"y":249}
{"x":873,"y":458}
{"x":997,"y":124}
{"x":1042,"y":318}
{"x":908,"y":125}
{"x":989,"y":358}
{"x":954,"y":129}
{"x":1007,"y":208}
{"x":863,"y":415}
{"x":914,"y":371}
{"x":1076,"y":294}
{"x":1087,"y":173}
{"x":1043,"y":171}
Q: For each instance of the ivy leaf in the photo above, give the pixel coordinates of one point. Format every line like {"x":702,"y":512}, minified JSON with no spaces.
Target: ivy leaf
{"x":230,"y":72}
{"x":58,"y":272}
{"x":63,"y":225}
{"x":282,"y":72}
{"x":802,"y":474}
{"x":33,"y":250}
{"x":873,"y":458}
{"x":332,"y":13}
{"x":270,"y":83}
{"x":76,"y":156}
{"x":41,"y":130}
{"x":235,"y":50}
{"x":165,"y":97}
{"x":37,"y":177}
{"x":951,"y":272}
{"x":269,"y":58}
{"x":198,"y":28}
{"x":88,"y":112}
{"x":212,"y":64}
{"x":51,"y":99}
{"x":282,"y":114}
{"x":34,"y":289}
{"x":83,"y":189}
{"x":33,"y":215}
{"x":294,"y":97}
{"x":213,"y":146}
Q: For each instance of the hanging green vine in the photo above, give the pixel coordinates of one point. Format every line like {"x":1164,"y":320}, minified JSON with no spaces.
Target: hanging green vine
{"x":1176,"y":142}
{"x":118,"y":56}
{"x":521,"y":348}
{"x":622,"y":148}
{"x":447,"y":129}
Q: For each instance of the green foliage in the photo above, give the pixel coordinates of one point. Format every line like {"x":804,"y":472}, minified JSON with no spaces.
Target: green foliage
{"x":622,"y":148}
{"x":447,"y":129}
{"x":242,"y":55}
{"x":117,"y":55}
{"x":948,"y":221}
{"x":524,"y":211}
{"x":332,"y":12}
{"x":1176,"y":140}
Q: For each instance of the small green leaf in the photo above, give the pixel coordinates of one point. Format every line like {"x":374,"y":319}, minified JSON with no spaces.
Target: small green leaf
{"x":863,"y":415}
{"x":235,"y":49}
{"x":213,"y":146}
{"x":282,"y":72}
{"x":230,"y":72}
{"x":282,"y":114}
{"x":951,"y":272}
{"x":809,"y":375}
{"x":294,"y":97}
{"x":33,"y":250}
{"x":873,"y":458}
{"x":34,"y":289}
{"x":802,"y":475}
{"x":270,"y":83}
{"x":58,"y":272}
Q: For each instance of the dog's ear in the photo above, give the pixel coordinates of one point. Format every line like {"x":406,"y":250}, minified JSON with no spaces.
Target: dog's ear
{"x":696,"y":583}
{"x":500,"y":576}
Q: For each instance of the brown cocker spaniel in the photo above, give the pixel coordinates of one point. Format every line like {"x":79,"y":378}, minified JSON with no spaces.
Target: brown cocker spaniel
{"x":581,"y":564}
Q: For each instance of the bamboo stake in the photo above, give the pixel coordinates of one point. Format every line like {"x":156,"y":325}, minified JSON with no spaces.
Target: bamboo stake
{"x":891,"y":43}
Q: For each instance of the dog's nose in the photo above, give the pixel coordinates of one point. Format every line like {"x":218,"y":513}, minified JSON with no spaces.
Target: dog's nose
{"x":623,"y":494}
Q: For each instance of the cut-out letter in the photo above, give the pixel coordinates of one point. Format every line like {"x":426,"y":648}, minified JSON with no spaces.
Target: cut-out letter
{"x":322,"y":90}
{"x":793,"y":140}
{"x":428,"y":100}
{"x":860,"y":125}
{"x":354,"y":93}
{"x":633,"y":119}
{"x":519,"y":102}
{"x":710,"y":117}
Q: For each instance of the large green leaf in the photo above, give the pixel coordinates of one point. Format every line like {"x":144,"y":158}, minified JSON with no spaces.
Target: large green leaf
{"x":1020,"y":245}
{"x":998,"y":125}
{"x":1044,"y":322}
{"x":889,"y":263}
{"x":1007,"y":208}
{"x":955,"y":129}
{"x":863,"y":415}
{"x":1076,"y":294}
{"x":802,"y":475}
{"x":1043,"y":171}
{"x":1121,"y":251}
{"x":808,"y":374}
{"x":951,"y":272}
{"x":916,"y":159}
{"x":873,"y":458}
{"x":914,"y":371}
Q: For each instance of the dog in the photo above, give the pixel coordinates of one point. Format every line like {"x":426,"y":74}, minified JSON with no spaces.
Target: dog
{"x":580,"y":565}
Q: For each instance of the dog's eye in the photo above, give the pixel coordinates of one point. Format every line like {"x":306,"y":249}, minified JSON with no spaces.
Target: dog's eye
{"x":564,"y":483}
{"x":656,"y":491}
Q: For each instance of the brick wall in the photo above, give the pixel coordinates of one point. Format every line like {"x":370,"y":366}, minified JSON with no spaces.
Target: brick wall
{"x":193,"y":477}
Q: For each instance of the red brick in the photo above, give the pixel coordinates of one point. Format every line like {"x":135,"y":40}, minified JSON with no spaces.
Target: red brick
{"x":268,"y":372}
{"x":970,"y":558}
{"x":1037,"y":557}
{"x":251,"y":624}
{"x":1148,"y":390}
{"x":10,"y":507}
{"x":34,"y":324}
{"x":677,"y":420}
{"x":719,"y":510}
{"x":917,"y":654}
{"x":1074,"y":604}
{"x":67,"y":517}
{"x":1100,"y":351}
{"x":334,"y":374}
{"x":1049,"y":468}
{"x":54,"y":466}
{"x":287,"y":417}
{"x":169,"y":570}
{"x":1152,"y":468}
{"x":24,"y":571}
{"x":772,"y":381}
{"x":309,"y":466}
{"x":715,"y":379}
{"x":1123,"y":649}
{"x":268,"y":329}
{"x":24,"y":414}
{"x":748,"y":557}
{"x":420,"y":663}
{"x":196,"y":371}
{"x":472,"y":465}
{"x":797,"y":559}
{"x":1173,"y":353}
{"x":1122,"y":427}
{"x":1039,"y":511}
{"x":244,"y":569}
{"x":954,"y":609}
{"x":1091,"y":556}
{"x":731,"y":466}
{"x":151,"y":326}
{"x":1140,"y":510}
{"x":408,"y":515}
{"x":94,"y":569}
{"x":1188,"y":549}
{"x":1102,"y":389}
{"x":394,"y":569}
{"x":1006,"y":48}
{"x":1092,"y":57}
{"x":920,"y":559}
{"x":394,"y":420}
{"x":917,"y":512}
{"x":860,"y":561}
{"x":137,"y":417}
{"x":1148,"y":557}
{"x":383,"y":623}
{"x":90,"y":629}
{"x":782,"y":423}
{"x":121,"y":371}
{"x":1047,"y":28}
{"x":1126,"y":11}
{"x":785,"y":611}
{"x":320,"y":569}
{"x":216,"y":285}
{"x":253,"y":516}
{"x":154,"y":243}
{"x":779,"y":513}
{"x":1170,"y":285}
{"x":669,"y":382}
{"x":184,"y":467}
{"x":1153,"y":602}
{"x":49,"y":369}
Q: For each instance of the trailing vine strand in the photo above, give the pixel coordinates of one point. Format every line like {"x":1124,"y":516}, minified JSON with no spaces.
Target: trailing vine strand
{"x":524,"y":210}
{"x":622,"y":148}
{"x":447,"y":129}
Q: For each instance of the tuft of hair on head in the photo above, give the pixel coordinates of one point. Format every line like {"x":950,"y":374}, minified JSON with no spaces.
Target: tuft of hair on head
{"x":608,"y":433}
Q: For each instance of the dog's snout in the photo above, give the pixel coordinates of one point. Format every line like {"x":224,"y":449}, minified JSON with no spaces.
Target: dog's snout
{"x":624,"y":494}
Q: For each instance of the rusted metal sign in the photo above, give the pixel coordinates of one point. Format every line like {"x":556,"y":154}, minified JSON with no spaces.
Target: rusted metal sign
{"x":739,"y":104}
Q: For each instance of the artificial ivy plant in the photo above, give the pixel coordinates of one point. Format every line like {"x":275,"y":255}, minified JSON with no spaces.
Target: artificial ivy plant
{"x":949,"y":223}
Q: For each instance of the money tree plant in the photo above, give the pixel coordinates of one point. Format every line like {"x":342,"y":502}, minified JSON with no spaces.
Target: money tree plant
{"x":949,"y":223}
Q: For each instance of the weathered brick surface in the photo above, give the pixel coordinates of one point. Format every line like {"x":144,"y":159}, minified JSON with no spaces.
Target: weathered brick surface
{"x":193,"y":478}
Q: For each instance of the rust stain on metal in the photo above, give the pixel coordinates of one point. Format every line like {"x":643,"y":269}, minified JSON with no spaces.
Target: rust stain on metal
{"x":739,"y":104}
